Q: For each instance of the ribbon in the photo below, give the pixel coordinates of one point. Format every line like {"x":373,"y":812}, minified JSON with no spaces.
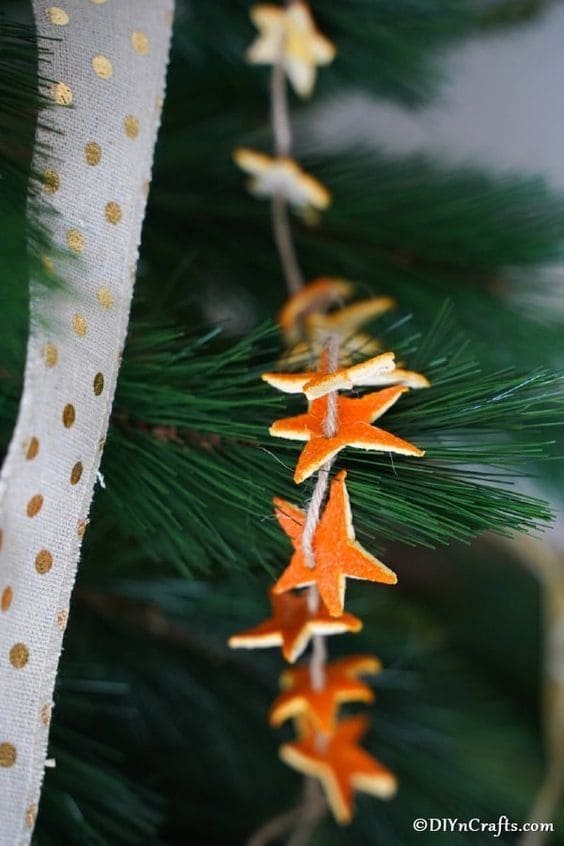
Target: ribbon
{"x":105,"y":76}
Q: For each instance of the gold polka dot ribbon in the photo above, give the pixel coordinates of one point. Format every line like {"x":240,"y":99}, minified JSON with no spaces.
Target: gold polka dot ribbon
{"x":106,"y":72}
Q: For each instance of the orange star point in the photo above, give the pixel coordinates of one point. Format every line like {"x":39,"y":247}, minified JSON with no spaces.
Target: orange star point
{"x":337,"y":553}
{"x":354,"y":430}
{"x":341,"y":684}
{"x":341,"y":765}
{"x":292,"y":625}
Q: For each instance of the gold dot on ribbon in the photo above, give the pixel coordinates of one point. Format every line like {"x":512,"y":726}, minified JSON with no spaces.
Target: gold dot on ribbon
{"x":6,"y":599}
{"x":140,"y":43}
{"x":57,"y":16}
{"x":51,"y":181}
{"x":113,"y":213}
{"x":69,"y":415}
{"x":32,"y":448}
{"x":30,"y":816}
{"x":79,"y":325}
{"x":98,"y":385}
{"x":93,"y":153}
{"x":81,"y":528}
{"x":43,"y":562}
{"x":19,"y":655}
{"x":8,"y":755}
{"x":75,"y":240}
{"x":62,"y":94}
{"x":34,"y":505}
{"x":76,"y":473}
{"x":98,"y":2}
{"x":102,"y":67}
{"x":105,"y":297}
{"x":62,"y":618}
{"x":45,"y":715}
{"x":50,"y":355}
{"x":131,"y":126}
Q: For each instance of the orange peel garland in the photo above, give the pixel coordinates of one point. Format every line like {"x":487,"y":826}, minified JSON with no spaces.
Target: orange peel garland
{"x":355,"y":417}
{"x":338,"y":555}
{"x":324,"y":333}
{"x":341,"y":765}
{"x":292,"y":626}
{"x":342,"y":684}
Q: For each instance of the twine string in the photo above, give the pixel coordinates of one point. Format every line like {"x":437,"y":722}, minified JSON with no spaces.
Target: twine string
{"x":282,"y":132}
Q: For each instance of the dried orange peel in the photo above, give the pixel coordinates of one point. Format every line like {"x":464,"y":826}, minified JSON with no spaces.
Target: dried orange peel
{"x":289,"y":34}
{"x":377,"y":371}
{"x":354,"y":430}
{"x":292,"y":625}
{"x":341,"y":684}
{"x":338,"y":555}
{"x":341,"y":765}
{"x":315,"y":297}
{"x":349,"y":319}
{"x":282,"y":176}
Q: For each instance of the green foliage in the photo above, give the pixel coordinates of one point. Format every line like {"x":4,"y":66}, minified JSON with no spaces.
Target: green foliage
{"x":412,"y":228}
{"x":21,"y":242}
{"x":160,"y":731}
{"x":390,"y":47}
{"x":202,"y":497}
{"x":189,"y":714}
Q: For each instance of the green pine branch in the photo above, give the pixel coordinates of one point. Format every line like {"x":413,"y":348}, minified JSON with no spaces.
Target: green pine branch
{"x":194,"y":424}
{"x":182,"y":704}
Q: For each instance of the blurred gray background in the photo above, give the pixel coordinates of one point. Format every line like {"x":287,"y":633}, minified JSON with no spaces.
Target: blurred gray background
{"x":503,"y":105}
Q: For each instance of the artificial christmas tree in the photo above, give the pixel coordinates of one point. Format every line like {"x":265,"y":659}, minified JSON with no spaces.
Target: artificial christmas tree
{"x":160,"y":731}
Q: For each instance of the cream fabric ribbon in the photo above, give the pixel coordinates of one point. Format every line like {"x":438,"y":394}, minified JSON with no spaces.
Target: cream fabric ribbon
{"x":106,"y":77}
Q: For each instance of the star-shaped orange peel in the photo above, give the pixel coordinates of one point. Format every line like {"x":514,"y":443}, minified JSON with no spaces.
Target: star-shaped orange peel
{"x":337,"y":554}
{"x":315,"y":297}
{"x":341,"y":684}
{"x":341,"y":765}
{"x":289,"y":35}
{"x":380,"y":370}
{"x":281,"y":175}
{"x":354,"y":430}
{"x":348,"y":319}
{"x":292,"y":625}
{"x":307,"y":313}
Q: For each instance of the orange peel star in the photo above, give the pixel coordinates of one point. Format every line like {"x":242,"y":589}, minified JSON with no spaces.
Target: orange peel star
{"x":290,"y":35}
{"x":379,"y":370}
{"x":354,"y":430}
{"x":337,"y":554}
{"x":349,"y":319}
{"x":282,"y":176}
{"x":292,"y":625}
{"x":317,"y":296}
{"x":306,"y":320}
{"x":341,"y":765}
{"x":341,"y":684}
